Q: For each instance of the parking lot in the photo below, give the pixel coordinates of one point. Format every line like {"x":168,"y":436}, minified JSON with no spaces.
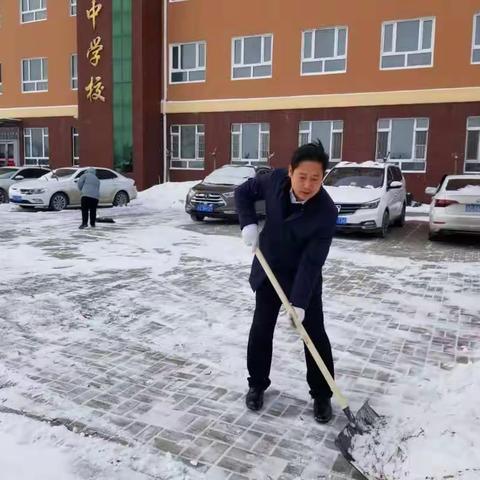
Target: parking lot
{"x":137,"y":332}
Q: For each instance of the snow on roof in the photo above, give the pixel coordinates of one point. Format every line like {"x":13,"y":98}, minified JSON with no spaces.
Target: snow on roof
{"x":472,"y":176}
{"x":367,"y":164}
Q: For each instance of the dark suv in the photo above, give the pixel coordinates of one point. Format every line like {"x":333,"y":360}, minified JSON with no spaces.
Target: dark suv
{"x":214,"y":196}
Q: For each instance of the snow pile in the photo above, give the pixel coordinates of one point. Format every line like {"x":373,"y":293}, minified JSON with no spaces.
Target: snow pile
{"x":167,"y":196}
{"x":436,"y":439}
{"x":30,"y":450}
{"x":469,"y":190}
{"x":421,"y":209}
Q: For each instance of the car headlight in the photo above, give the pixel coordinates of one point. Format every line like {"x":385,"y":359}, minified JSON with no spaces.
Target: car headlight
{"x":37,"y":191}
{"x":228,"y":194}
{"x":373,"y":204}
{"x":190,"y":194}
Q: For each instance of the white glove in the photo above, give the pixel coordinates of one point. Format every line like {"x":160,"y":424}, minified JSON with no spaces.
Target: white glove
{"x":250,"y":236}
{"x":300,"y":313}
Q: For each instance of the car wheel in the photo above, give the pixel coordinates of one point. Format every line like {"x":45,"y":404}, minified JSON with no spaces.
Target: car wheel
{"x":58,"y":202}
{"x":433,"y":236}
{"x":400,"y":222}
{"x":121,"y":199}
{"x":196,"y":217}
{"x":3,"y":196}
{"x":382,"y":233}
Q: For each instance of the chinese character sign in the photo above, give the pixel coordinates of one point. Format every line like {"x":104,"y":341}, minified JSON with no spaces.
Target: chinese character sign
{"x":93,"y":53}
{"x":94,"y":89}
{"x":93,"y":12}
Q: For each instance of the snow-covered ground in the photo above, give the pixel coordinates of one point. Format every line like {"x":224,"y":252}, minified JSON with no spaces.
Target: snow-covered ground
{"x":80,"y":308}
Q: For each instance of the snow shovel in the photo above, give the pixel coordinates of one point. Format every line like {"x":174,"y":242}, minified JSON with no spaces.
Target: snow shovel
{"x":366,"y":418}
{"x":105,"y":220}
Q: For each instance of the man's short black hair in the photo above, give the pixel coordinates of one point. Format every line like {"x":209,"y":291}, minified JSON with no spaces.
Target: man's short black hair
{"x":313,"y":152}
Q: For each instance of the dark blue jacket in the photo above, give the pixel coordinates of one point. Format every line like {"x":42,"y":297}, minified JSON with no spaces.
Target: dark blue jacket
{"x":295,"y":245}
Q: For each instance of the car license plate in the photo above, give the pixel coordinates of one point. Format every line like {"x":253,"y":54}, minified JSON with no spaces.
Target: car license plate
{"x":204,"y":207}
{"x":471,"y":208}
{"x":16,"y":198}
{"x":341,"y":220}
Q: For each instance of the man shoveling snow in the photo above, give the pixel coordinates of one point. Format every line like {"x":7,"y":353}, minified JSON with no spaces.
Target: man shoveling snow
{"x":296,"y":239}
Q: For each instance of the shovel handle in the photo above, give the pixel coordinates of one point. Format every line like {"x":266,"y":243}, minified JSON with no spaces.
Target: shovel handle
{"x":342,"y":401}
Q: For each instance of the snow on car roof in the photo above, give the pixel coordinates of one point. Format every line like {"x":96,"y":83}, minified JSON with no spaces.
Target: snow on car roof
{"x":472,"y":176}
{"x":367,"y":164}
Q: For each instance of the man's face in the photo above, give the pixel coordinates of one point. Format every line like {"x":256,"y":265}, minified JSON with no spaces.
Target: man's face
{"x":306,"y":179}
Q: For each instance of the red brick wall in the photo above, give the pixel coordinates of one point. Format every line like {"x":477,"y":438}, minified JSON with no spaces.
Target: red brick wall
{"x":447,"y":136}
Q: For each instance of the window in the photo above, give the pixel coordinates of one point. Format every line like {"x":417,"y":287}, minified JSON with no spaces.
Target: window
{"x":187,"y":147}
{"x":408,"y":44}
{"x":35,"y":75}
{"x":403,"y":141}
{"x":75,"y":152}
{"x":187,"y":62}
{"x":476,"y":39}
{"x":250,"y":143}
{"x":252,"y":57}
{"x":330,"y":133}
{"x":397,"y":174}
{"x":73,"y":8}
{"x":472,"y":149}
{"x":74,"y":72}
{"x":324,"y":51}
{"x":36,"y":146}
{"x":31,"y":173}
{"x":33,"y":10}
{"x":103,"y":174}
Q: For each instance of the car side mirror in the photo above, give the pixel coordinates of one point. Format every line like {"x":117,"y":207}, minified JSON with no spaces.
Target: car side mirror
{"x":19,"y":177}
{"x":395,"y":184}
{"x":76,"y":180}
{"x":431,"y":191}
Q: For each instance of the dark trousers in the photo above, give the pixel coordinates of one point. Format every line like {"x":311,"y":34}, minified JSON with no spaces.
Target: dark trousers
{"x":89,"y":204}
{"x":259,"y":356}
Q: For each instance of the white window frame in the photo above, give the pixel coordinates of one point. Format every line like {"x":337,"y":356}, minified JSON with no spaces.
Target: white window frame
{"x":35,"y":12}
{"x":333,"y":130}
{"x":472,"y":129}
{"x":73,"y":8}
{"x":27,"y":136}
{"x":73,"y":78}
{"x":263,"y":63}
{"x":263,"y":130}
{"x":1,"y":81}
{"x":196,"y":69}
{"x":475,"y":46}
{"x":394,"y":23}
{"x":400,"y":161}
{"x":312,"y":58}
{"x":75,"y":159}
{"x":36,"y":82}
{"x":199,"y":135}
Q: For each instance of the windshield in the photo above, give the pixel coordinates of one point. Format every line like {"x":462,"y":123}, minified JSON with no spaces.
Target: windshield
{"x":8,"y":172}
{"x":61,"y":173}
{"x":230,"y":175}
{"x":355,"y":177}
{"x":463,"y":184}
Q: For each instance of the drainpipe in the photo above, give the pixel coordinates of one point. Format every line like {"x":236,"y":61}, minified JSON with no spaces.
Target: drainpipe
{"x":165,"y":85}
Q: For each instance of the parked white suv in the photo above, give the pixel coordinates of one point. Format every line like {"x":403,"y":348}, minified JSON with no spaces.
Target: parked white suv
{"x":370,"y":196}
{"x":455,"y":205}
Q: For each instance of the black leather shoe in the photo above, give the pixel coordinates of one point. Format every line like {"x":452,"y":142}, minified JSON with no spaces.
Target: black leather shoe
{"x":82,"y":226}
{"x":254,"y":399}
{"x":322,"y":410}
